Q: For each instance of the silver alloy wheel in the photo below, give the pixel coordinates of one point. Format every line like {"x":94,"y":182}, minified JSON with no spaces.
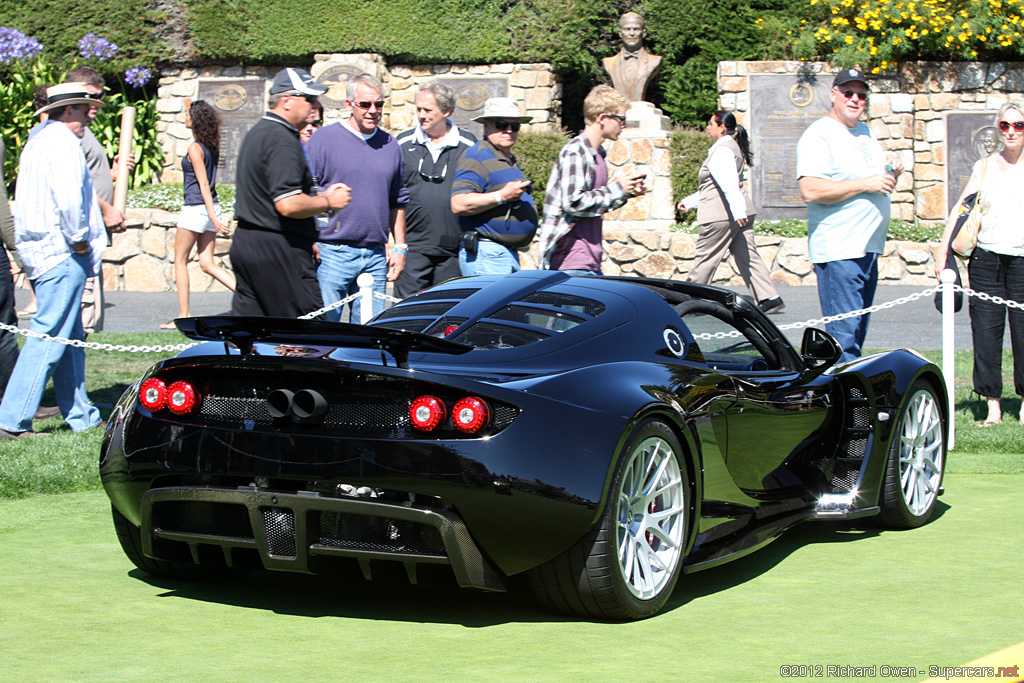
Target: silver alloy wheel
{"x":920,"y":452}
{"x":651,"y":520}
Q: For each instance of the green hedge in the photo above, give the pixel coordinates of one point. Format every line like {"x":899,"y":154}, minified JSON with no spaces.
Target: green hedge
{"x":133,"y":25}
{"x":536,"y":154}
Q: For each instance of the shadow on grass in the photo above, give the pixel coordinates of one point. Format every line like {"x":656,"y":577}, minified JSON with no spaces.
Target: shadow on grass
{"x":354,"y":598}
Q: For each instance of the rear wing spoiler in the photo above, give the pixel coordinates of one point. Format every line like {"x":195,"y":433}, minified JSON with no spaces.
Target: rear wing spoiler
{"x":244,"y":332}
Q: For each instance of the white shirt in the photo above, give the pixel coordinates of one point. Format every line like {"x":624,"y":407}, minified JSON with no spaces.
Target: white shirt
{"x":56,"y":204}
{"x":721,"y":163}
{"x":856,"y":226}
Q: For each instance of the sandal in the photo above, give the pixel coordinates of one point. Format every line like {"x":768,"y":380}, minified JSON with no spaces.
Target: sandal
{"x":26,"y":313}
{"x":168,"y":326}
{"x":989,"y":423}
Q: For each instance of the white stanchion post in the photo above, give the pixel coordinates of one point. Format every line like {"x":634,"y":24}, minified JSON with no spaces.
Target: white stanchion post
{"x":365,"y":282}
{"x":947,"y":278}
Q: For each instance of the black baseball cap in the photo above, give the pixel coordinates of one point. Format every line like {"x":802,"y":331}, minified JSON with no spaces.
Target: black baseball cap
{"x":296,"y":80}
{"x":847,"y":75}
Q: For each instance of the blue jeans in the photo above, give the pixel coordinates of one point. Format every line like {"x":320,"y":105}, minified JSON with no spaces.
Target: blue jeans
{"x":580,"y":272}
{"x":340,"y":265}
{"x":59,"y":297}
{"x":845,"y":286}
{"x":490,"y":258}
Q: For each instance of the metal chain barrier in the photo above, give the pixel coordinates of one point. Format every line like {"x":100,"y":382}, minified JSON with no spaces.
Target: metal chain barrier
{"x":170,"y":348}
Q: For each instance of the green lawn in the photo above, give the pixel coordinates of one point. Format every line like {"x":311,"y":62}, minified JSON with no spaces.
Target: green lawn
{"x":74,"y":608}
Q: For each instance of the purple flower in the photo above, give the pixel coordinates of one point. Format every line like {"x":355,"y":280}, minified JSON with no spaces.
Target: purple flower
{"x":137,"y":76}
{"x":93,"y":46}
{"x":16,"y":46}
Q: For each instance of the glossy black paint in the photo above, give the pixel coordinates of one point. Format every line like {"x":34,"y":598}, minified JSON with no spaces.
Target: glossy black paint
{"x":766,"y":432}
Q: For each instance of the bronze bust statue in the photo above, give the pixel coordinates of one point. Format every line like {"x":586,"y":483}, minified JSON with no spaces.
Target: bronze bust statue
{"x":633,"y":68}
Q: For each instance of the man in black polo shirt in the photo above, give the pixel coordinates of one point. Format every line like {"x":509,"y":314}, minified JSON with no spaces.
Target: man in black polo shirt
{"x":275,"y":205}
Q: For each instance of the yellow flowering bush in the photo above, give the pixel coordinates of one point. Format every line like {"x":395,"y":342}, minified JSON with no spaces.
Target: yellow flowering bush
{"x":875,"y":34}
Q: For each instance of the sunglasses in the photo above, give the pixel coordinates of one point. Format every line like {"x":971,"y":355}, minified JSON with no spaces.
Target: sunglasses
{"x":366,"y":105}
{"x":1017,"y":126}
{"x":309,"y":98}
{"x":317,"y":123}
{"x":95,"y":96}
{"x":850,"y":94}
{"x":618,"y":117}
{"x":514,"y":126}
{"x":432,"y":178}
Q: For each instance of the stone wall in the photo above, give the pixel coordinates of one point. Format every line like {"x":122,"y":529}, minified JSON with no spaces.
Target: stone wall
{"x":534,"y":86}
{"x":142,"y":258}
{"x":906,"y":113}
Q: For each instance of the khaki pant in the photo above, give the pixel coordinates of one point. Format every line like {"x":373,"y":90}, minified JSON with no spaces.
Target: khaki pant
{"x":92,"y":305}
{"x":714,"y":239}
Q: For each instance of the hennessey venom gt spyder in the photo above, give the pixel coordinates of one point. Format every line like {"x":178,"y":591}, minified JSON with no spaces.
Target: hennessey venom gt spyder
{"x":600,"y":436}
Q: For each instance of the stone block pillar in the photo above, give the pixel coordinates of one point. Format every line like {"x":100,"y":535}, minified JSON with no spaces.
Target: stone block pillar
{"x":644,"y":145}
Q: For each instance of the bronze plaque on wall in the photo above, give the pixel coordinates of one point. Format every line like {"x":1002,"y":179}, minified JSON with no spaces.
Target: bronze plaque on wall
{"x":470,"y":95}
{"x":781,"y":108}
{"x":240,"y":104}
{"x":969,"y":136}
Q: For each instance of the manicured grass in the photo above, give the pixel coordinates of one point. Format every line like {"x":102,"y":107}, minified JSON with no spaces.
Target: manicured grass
{"x":824,"y":594}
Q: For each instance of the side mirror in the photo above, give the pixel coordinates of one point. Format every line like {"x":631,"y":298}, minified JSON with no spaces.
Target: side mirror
{"x":819,"y":350}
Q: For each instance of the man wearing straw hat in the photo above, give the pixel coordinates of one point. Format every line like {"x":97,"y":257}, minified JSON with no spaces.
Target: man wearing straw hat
{"x":491,"y":195}
{"x":60,"y":237}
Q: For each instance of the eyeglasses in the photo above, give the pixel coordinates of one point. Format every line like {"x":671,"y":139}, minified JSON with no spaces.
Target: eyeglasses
{"x":618,"y":117}
{"x":309,"y":98}
{"x":366,"y":105}
{"x":317,"y":123}
{"x":432,"y":178}
{"x":514,"y":126}
{"x":850,"y":94}
{"x":95,"y":95}
{"x":1017,"y":126}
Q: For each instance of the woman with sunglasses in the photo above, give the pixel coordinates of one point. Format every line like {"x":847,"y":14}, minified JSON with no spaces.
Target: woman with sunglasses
{"x":725,"y":213}
{"x":996,"y":267}
{"x":200,"y":218}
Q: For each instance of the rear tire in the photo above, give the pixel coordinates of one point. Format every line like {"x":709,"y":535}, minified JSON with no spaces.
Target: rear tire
{"x":917,"y":459}
{"x":130,"y":537}
{"x":628,"y":565}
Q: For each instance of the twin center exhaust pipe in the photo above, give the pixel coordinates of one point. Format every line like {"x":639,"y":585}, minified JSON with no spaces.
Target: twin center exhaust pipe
{"x":305,"y":406}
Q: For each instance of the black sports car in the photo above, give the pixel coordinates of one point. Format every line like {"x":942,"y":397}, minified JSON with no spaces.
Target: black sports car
{"x":598,"y":435}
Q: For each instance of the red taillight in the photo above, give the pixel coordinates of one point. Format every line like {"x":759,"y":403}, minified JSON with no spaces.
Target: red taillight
{"x":426,"y":413}
{"x":181,"y":398}
{"x":448,"y":330}
{"x":470,"y":414}
{"x":153,"y":394}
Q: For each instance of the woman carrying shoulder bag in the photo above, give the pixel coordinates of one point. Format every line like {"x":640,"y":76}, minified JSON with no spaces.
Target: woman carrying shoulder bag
{"x":725,"y":213}
{"x":996,"y":266}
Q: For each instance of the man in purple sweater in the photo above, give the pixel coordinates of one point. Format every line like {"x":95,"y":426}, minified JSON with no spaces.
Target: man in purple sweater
{"x":361,"y":155}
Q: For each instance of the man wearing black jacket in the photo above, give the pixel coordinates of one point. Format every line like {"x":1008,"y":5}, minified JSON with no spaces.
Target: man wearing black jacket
{"x":431,"y":153}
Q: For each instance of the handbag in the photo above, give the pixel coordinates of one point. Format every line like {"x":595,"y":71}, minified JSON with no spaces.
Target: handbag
{"x":968,"y":222}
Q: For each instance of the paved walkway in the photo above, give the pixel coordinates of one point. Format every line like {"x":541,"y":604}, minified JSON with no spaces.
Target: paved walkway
{"x":916,"y":325}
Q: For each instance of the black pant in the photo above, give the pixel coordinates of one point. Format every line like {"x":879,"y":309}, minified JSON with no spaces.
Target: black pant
{"x":8,"y":340}
{"x":426,"y":270}
{"x":275,"y":272}
{"x":1002,"y":276}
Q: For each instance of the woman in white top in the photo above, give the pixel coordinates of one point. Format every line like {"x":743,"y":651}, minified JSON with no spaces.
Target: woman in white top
{"x":725,"y":213}
{"x":996,"y":266}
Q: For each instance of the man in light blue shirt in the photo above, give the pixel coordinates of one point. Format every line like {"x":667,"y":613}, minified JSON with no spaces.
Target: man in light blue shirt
{"x":60,"y":237}
{"x":846,"y":178}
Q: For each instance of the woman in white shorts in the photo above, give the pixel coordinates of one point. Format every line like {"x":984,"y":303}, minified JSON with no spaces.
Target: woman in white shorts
{"x":200,"y":218}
